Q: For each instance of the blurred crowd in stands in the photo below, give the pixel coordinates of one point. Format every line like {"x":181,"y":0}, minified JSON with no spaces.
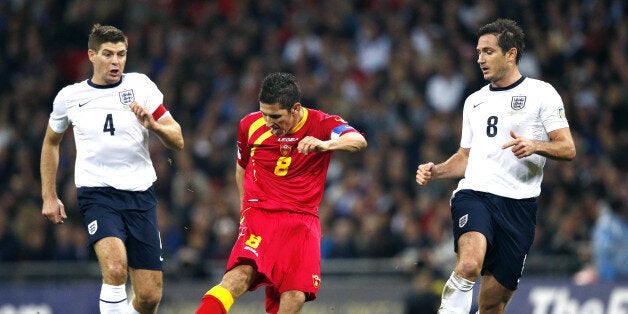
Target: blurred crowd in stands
{"x":397,"y":70}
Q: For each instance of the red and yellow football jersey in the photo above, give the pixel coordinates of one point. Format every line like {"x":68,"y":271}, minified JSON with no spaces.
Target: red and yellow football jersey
{"x":277,"y":176}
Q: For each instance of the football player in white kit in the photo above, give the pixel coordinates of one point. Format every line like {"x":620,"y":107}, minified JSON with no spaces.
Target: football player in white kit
{"x":112,"y":114}
{"x":509,"y":128}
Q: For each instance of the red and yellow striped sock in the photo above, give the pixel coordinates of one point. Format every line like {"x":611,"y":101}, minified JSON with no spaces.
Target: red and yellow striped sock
{"x":217,"y":300}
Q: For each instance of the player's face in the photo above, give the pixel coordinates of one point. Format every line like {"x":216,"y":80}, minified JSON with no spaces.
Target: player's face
{"x":108,"y":63}
{"x":280,"y":120}
{"x":493,"y":62}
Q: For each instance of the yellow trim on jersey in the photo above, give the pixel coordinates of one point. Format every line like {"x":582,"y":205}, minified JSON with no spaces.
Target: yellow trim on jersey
{"x":223,"y":295}
{"x":301,"y":123}
{"x":259,"y":141}
{"x":255,"y":126}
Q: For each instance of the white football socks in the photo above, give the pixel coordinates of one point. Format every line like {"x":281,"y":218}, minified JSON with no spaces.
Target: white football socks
{"x":457,"y":295}
{"x":113,"y":299}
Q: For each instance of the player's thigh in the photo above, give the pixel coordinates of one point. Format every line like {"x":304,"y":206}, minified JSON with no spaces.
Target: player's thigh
{"x":472,"y":247}
{"x":146,"y":283}
{"x":493,"y":296}
{"x":112,"y":258}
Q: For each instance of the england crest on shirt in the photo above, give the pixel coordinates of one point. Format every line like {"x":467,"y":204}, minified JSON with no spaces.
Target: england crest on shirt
{"x":518,"y":102}
{"x":92,"y":227}
{"x":126,"y":97}
{"x":463,"y":220}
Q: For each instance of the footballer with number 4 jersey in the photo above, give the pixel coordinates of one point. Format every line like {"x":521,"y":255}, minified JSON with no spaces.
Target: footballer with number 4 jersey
{"x":509,"y":128}
{"x":104,"y":113}
{"x":111,"y":115}
{"x":284,"y":152}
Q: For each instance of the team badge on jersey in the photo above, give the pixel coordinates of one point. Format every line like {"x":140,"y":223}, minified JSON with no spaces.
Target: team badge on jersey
{"x":518,"y":102}
{"x":316,"y":280}
{"x":127,"y":97}
{"x":463,"y":220}
{"x":92,"y":227}
{"x":285,"y":149}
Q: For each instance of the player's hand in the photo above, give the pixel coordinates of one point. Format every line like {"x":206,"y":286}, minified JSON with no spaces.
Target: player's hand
{"x":521,"y":146}
{"x":424,"y":173}
{"x":311,"y":144}
{"x":143,"y":116}
{"x":54,"y":211}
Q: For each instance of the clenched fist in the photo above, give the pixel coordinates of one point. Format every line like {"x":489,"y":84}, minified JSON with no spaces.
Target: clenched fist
{"x":424,"y":173}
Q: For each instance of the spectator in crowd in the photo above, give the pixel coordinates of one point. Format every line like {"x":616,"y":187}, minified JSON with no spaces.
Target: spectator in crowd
{"x":609,"y":248}
{"x":424,"y":297}
{"x":9,"y":243}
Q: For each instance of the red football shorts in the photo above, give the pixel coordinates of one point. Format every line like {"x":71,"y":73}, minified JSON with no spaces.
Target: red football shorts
{"x":283,"y":246}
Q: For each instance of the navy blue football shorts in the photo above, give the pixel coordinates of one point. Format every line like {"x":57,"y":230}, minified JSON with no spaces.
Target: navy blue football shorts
{"x":127,"y":215}
{"x":508,"y":225}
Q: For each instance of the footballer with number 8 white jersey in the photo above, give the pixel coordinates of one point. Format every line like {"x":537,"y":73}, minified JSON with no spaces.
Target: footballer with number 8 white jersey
{"x":509,"y":128}
{"x":111,"y":145}
{"x":530,"y":108}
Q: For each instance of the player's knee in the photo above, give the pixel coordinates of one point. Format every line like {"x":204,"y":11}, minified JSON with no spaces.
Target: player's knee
{"x":115,"y":274}
{"x":148,"y":299}
{"x":468,"y":269}
{"x":291,"y":301}
{"x":293,"y":296}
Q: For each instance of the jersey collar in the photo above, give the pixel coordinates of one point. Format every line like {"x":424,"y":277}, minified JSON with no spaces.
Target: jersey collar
{"x":94,"y":85}
{"x":513,"y":85}
{"x":301,"y":123}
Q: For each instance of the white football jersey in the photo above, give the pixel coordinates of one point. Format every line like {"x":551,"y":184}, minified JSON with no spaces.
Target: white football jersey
{"x":111,"y":145}
{"x":531,"y":108}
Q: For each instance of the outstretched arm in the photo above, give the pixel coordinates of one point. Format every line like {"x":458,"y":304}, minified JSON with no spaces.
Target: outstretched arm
{"x":559,"y":147}
{"x":52,"y":207}
{"x":454,"y":167}
{"x":349,"y":142}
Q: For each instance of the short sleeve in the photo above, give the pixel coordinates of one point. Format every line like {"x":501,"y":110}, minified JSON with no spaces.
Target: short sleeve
{"x":553,"y":110}
{"x":467,"y":132}
{"x":59,"y":121}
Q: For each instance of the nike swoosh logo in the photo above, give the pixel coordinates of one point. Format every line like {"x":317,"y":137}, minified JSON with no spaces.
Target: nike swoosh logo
{"x":87,"y":101}
{"x":478,"y":104}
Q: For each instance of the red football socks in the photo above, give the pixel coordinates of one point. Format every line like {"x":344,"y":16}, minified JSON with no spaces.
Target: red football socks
{"x":210,"y":305}
{"x":217,"y":300}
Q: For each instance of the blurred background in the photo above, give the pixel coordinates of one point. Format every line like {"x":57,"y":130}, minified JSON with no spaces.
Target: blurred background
{"x":397,"y":70}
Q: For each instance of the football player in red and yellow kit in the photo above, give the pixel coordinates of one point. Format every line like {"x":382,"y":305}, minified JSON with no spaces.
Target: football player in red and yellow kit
{"x":284,"y":150}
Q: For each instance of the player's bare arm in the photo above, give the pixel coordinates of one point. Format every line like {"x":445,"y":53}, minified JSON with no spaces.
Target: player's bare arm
{"x":559,"y":147}
{"x":454,"y":167}
{"x":239,"y":177}
{"x":166,"y":128}
{"x":349,"y":142}
{"x":52,"y":207}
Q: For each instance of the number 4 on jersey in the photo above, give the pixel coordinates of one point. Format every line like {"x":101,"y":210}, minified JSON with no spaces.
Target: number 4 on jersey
{"x":109,"y":125}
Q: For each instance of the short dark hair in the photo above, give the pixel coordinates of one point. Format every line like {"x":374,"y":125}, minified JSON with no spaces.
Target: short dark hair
{"x":509,"y":35}
{"x":101,"y":34}
{"x":281,"y":88}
